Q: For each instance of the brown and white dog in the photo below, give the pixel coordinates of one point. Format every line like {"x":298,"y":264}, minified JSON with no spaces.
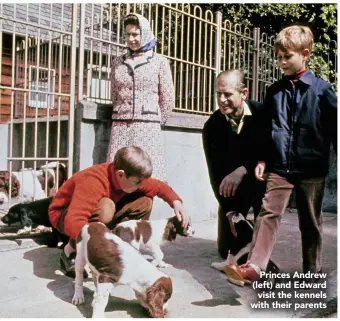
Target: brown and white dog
{"x":149,"y":235}
{"x":112,"y":262}
{"x":31,"y":184}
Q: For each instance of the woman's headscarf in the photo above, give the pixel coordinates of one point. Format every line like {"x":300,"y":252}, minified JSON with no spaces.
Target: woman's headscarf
{"x":148,"y":40}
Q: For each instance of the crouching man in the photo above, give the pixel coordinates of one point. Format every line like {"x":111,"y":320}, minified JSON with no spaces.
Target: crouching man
{"x":232,"y":141}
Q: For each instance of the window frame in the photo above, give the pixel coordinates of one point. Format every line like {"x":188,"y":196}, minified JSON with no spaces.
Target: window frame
{"x":49,"y":101}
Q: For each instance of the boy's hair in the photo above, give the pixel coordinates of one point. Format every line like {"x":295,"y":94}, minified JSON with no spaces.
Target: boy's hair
{"x":131,"y":19}
{"x":295,"y":38}
{"x":133,"y":161}
{"x":239,"y":74}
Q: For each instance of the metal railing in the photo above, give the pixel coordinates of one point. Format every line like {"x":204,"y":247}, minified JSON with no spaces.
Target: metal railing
{"x":199,"y":44}
{"x":53,"y":55}
{"x":37,"y":68}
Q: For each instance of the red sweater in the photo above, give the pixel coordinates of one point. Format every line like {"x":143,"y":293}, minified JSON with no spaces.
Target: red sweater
{"x":82,"y":192}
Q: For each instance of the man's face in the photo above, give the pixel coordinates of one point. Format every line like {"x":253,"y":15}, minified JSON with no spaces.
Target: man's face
{"x":292,"y":61}
{"x":229,"y":99}
{"x":128,"y":184}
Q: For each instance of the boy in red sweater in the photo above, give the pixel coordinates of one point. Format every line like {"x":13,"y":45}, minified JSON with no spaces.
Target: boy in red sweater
{"x":110,"y":193}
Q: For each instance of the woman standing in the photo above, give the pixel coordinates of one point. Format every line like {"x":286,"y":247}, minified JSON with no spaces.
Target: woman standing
{"x":142,"y":94}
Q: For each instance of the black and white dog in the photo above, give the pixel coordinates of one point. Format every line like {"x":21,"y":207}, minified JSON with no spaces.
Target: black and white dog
{"x":239,"y":249}
{"x":33,"y":214}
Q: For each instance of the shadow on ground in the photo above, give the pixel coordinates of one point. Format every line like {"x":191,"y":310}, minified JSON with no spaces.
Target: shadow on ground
{"x":195,"y":255}
{"x":190,"y":259}
{"x":46,"y":265}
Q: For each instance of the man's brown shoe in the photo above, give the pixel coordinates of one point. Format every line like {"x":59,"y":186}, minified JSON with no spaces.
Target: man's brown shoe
{"x":241,"y":275}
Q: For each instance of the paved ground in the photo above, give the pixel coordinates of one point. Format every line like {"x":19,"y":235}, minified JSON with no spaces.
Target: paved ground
{"x":33,"y":286}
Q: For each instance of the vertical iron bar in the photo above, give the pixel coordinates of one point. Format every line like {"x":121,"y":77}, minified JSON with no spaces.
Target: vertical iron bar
{"x":255,"y":75}
{"x":72,"y":89}
{"x":217,"y":51}
{"x":81,"y":51}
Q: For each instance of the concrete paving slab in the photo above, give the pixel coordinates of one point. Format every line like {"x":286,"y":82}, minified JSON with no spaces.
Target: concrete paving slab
{"x":33,"y":286}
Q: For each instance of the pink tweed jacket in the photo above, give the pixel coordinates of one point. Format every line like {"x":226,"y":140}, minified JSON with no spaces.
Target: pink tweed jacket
{"x":142,"y":89}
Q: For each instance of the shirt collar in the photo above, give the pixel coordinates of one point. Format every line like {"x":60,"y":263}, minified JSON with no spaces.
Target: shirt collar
{"x":237,"y":127}
{"x":307,"y":77}
{"x":246,"y":111}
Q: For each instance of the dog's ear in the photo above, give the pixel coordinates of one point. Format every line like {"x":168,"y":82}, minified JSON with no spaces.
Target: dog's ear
{"x":15,"y":186}
{"x":157,"y":295}
{"x":155,"y":300}
{"x":170,"y":231}
{"x":24,"y":219}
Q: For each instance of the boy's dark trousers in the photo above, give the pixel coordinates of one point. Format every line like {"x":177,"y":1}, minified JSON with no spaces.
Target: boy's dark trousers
{"x":309,"y":197}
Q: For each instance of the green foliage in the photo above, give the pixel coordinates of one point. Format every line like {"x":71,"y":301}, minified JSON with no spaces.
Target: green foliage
{"x":271,"y":18}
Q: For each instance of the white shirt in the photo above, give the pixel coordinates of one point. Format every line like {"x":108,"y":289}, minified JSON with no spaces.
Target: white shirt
{"x":237,"y":127}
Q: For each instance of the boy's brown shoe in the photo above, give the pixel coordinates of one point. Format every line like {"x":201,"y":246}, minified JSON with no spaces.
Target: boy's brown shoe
{"x":241,"y":275}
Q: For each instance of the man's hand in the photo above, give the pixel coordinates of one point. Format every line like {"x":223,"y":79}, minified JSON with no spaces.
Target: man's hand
{"x":180,"y":213}
{"x":259,"y":171}
{"x":231,"y":182}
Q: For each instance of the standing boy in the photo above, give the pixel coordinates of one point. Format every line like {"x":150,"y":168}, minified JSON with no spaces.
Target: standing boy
{"x":303,"y":116}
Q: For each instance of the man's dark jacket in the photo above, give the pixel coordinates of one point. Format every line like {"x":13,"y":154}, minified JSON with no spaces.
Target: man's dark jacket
{"x":226,"y":150}
{"x":303,"y":123}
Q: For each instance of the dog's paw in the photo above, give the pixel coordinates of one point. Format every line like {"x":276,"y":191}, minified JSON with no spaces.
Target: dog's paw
{"x":163,"y":265}
{"x":25,"y":230}
{"x":99,"y":315}
{"x":78,"y":298}
{"x":218,"y":265}
{"x":160,"y":264}
{"x":40,"y":228}
{"x":94,"y":299}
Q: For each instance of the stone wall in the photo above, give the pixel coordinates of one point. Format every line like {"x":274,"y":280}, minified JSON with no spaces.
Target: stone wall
{"x":185,"y":162}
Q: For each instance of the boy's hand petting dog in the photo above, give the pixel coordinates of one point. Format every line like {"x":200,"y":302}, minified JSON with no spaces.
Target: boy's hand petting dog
{"x":180,"y":214}
{"x":260,"y":171}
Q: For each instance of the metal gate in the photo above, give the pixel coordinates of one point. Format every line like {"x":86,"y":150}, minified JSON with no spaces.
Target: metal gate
{"x":37,"y":88}
{"x":53,"y":55}
{"x":199,"y":44}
